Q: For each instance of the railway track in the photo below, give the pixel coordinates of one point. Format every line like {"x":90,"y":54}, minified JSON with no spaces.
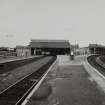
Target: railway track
{"x":93,"y":62}
{"x":16,"y":94}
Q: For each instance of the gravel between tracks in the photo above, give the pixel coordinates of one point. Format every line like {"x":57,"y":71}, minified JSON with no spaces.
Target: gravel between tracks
{"x":13,"y":76}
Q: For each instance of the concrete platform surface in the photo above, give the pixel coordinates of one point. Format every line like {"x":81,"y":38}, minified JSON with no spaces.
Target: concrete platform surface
{"x":70,"y":84}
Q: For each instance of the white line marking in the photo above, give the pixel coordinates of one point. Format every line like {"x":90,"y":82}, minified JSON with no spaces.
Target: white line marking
{"x":37,"y":86}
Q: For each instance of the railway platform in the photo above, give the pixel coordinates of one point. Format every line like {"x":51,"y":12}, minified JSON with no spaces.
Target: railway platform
{"x":9,"y":59}
{"x":69,"y":84}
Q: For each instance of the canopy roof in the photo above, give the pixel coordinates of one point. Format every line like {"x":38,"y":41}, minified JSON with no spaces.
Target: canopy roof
{"x":49,"y":44}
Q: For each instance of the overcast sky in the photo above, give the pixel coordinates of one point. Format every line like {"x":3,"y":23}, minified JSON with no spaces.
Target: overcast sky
{"x":80,"y":21}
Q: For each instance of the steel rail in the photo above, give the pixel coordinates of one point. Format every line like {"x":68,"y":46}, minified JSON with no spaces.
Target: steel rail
{"x":19,"y":91}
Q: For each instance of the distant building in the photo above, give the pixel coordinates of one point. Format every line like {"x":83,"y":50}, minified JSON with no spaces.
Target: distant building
{"x":6,"y":51}
{"x":97,"y":49}
{"x":49,"y":47}
{"x":91,"y":49}
{"x":23,"y":51}
{"x":82,"y":51}
{"x":4,"y":48}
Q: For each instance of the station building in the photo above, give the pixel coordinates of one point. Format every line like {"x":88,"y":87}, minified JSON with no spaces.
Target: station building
{"x":23,"y":51}
{"x":49,"y":47}
{"x":97,"y":49}
{"x":82,"y":51}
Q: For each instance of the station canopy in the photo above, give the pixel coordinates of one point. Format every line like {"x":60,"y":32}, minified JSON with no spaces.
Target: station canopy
{"x":49,"y":44}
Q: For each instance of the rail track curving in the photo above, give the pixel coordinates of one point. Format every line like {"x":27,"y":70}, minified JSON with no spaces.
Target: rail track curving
{"x":96,"y":64}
